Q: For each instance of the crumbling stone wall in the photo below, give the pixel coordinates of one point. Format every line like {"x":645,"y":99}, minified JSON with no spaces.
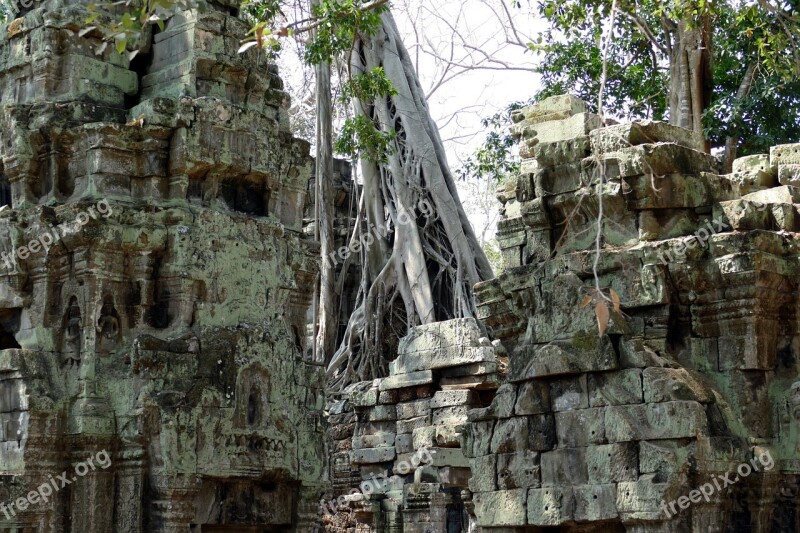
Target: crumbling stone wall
{"x":691,"y":384}
{"x":168,"y":328}
{"x":695,"y":372}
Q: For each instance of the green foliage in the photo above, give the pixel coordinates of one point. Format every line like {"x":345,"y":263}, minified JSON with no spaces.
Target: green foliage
{"x":494,"y":159}
{"x":137,"y":16}
{"x":744,"y":31}
{"x":361,"y":137}
{"x":339,"y":23}
{"x":368,"y":86}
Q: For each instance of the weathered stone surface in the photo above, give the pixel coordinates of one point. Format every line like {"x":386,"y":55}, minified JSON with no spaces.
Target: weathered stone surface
{"x":622,"y":387}
{"x":484,"y":476}
{"x":580,"y":427}
{"x":518,"y":470}
{"x":609,"y":463}
{"x":451,"y":398}
{"x":617,"y":137}
{"x":411,"y":379}
{"x":668,"y":420}
{"x":501,"y":508}
{"x":565,"y":466}
{"x":595,"y":502}
{"x":583,"y":353}
{"x":569,"y":393}
{"x":551,"y":506}
{"x":533,"y":398}
{"x":669,"y":384}
{"x":535,"y":432}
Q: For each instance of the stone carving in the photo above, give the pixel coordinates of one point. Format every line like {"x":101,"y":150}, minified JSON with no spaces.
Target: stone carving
{"x":162,"y":333}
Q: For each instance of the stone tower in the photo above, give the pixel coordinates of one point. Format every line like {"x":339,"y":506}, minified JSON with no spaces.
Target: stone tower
{"x":154,"y":283}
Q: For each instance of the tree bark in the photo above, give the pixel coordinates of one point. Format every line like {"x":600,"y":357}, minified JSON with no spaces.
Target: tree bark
{"x":691,"y":77}
{"x":732,"y":141}
{"x":326,"y":320}
{"x":425,"y":258}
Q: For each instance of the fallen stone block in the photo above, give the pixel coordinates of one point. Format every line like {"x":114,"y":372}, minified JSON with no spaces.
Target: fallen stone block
{"x":750,"y":163}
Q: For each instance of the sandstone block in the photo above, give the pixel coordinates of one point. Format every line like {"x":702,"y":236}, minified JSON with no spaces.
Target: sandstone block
{"x":784,"y":154}
{"x":533,"y":398}
{"x":535,"y":432}
{"x":565,"y":466}
{"x":641,"y":500}
{"x":584,"y":353}
{"x":502,"y":405}
{"x":620,"y":387}
{"x":379,"y":440}
{"x":477,"y":438}
{"x":670,"y":384}
{"x":758,"y":162}
{"x":413,"y":409}
{"x":551,"y":506}
{"x":372,"y":455}
{"x":452,"y":398}
{"x":620,"y":136}
{"x":667,"y":420}
{"x":518,"y":470}
{"x":609,"y":463}
{"x":412,"y":379}
{"x":595,"y":502}
{"x":569,"y":393}
{"x":408,"y":426}
{"x":501,"y":508}
{"x":580,"y":427}
{"x":424,"y":437}
{"x":483,"y":473}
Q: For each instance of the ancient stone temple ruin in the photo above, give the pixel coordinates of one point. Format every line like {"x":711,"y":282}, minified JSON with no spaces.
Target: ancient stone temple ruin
{"x":154,"y":290}
{"x":156,"y":282}
{"x":678,"y":412}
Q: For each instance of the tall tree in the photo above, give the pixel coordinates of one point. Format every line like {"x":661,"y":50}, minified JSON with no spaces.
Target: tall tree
{"x":685,"y":45}
{"x":426,"y":258}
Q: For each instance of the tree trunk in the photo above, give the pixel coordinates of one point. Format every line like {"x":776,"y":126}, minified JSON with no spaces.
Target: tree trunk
{"x":326,"y":319}
{"x":425,"y":258}
{"x":691,"y":78}
{"x":732,"y":141}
